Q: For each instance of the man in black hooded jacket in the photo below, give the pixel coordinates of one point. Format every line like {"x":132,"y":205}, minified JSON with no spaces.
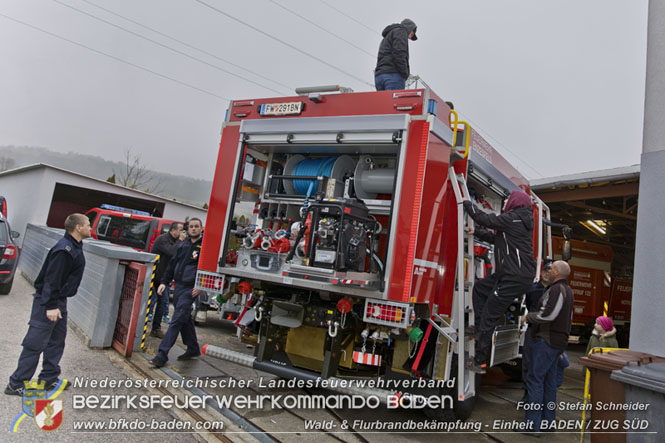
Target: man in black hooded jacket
{"x":392,"y":64}
{"x":515,"y":267}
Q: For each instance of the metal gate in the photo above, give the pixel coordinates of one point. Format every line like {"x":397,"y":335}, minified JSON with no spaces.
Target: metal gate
{"x":129,"y":308}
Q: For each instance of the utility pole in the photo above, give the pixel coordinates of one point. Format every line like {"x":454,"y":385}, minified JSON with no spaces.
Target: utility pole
{"x":647,"y":322}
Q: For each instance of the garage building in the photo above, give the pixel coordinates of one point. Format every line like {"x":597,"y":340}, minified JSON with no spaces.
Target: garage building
{"x":44,"y":195}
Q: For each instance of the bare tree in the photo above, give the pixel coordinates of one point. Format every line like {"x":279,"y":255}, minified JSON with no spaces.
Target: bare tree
{"x":6,"y":163}
{"x":136,"y":175}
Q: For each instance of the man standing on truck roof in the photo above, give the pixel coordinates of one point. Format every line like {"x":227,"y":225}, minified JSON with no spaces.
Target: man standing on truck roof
{"x":182,"y":268}
{"x":551,"y":322}
{"x":514,"y":271}
{"x":392,"y":64}
{"x":58,"y":280}
{"x":165,"y":246}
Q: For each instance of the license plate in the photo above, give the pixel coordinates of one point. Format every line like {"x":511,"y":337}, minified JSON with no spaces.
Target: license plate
{"x":291,"y":108}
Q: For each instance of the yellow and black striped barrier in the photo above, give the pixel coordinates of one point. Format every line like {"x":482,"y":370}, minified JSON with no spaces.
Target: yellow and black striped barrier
{"x":147,"y":308}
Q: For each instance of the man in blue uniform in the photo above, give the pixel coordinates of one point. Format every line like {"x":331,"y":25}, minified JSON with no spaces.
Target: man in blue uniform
{"x":182,"y":269}
{"x":165,"y":246}
{"x":58,"y":280}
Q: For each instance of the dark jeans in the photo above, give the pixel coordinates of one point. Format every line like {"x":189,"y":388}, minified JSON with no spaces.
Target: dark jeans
{"x":526,"y":354}
{"x":389,"y":82}
{"x":491,"y":298}
{"x":161,"y":308}
{"x":541,"y":383}
{"x":45,"y":338}
{"x":181,"y":323}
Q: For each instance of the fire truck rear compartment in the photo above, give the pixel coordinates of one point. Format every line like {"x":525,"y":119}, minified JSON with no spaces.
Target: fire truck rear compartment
{"x":342,"y":243}
{"x":347,"y":233}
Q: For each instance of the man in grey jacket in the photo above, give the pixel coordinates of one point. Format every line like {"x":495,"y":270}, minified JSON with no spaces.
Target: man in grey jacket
{"x":551,"y":323}
{"x":392,"y":63}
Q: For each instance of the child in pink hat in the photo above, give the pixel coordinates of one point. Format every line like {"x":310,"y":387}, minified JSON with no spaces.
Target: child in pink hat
{"x":603,"y":335}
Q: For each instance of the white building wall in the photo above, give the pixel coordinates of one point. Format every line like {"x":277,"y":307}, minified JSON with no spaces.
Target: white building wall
{"x":25,"y":194}
{"x":29,"y":194}
{"x":172,"y":210}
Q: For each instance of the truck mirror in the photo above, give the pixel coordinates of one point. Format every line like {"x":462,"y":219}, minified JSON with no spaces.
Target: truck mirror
{"x":566,"y":250}
{"x":567,"y":233}
{"x":15,"y":235}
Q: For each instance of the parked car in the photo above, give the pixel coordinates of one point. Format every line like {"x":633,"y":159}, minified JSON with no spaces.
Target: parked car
{"x":127,"y":227}
{"x":9,"y":252}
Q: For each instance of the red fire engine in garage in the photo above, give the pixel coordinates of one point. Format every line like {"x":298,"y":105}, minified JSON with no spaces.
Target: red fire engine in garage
{"x":358,"y":258}
{"x":596,"y":291}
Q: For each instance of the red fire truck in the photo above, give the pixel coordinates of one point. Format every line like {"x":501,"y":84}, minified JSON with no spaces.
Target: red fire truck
{"x":358,"y":259}
{"x":596,"y":291}
{"x":127,"y":227}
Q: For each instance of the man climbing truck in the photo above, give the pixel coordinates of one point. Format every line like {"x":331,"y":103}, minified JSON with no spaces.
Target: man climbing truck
{"x":358,"y":265}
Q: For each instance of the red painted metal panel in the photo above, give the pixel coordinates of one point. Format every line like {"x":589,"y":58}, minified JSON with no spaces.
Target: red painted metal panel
{"x":622,"y":296}
{"x":537,"y":234}
{"x":482,"y":147}
{"x":445,"y":293}
{"x":426,"y":280}
{"x":442,"y":108}
{"x":219,"y":199}
{"x":409,"y":210}
{"x":587,"y":286}
{"x":586,"y":250}
{"x":361,"y":103}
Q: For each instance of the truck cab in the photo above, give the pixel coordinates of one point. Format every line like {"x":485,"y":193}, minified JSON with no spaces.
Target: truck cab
{"x":127,"y":227}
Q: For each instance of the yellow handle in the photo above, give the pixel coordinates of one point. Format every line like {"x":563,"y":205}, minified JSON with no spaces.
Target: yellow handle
{"x":454,"y":122}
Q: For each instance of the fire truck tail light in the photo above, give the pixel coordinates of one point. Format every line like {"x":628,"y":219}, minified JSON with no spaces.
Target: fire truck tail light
{"x":387,"y":313}
{"x":407,"y":94}
{"x":209,"y":282}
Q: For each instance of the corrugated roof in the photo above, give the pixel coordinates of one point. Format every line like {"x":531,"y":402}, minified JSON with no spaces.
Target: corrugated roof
{"x":591,"y":177}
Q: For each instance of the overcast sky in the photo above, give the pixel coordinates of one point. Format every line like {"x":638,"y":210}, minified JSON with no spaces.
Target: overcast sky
{"x":556,"y":86}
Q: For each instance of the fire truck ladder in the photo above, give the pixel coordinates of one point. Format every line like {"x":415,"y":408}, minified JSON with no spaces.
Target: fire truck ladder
{"x":462,"y":302}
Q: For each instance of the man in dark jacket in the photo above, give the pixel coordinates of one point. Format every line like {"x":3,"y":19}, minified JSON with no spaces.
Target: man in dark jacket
{"x":182,"y":268}
{"x":531,"y":302}
{"x":165,"y":246}
{"x":551,"y":324}
{"x":58,"y":280}
{"x":392,"y":64}
{"x":515,"y":268}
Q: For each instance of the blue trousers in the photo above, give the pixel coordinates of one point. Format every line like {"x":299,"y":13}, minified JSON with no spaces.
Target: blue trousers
{"x":526,"y":355}
{"x":541,"y":383}
{"x":181,"y":323}
{"x":44,"y":338}
{"x":389,"y":82}
{"x":161,"y":308}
